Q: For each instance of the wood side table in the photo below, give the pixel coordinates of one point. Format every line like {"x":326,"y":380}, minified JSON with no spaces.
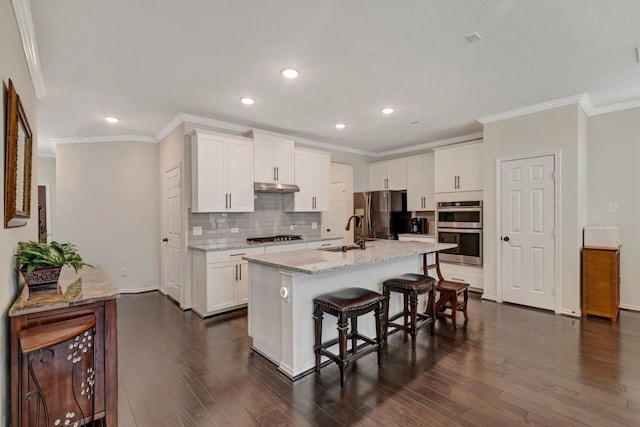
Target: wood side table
{"x":50,"y":322}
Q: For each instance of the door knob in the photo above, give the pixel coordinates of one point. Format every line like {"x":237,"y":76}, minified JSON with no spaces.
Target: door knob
{"x":165,"y":240}
{"x":506,"y":238}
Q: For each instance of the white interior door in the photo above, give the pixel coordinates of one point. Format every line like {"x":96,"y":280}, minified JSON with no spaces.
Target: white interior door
{"x":172,"y":233}
{"x":337,"y":215}
{"x":528,"y":229}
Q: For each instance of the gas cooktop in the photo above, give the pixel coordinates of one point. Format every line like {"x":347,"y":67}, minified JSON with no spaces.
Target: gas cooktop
{"x":281,"y":238}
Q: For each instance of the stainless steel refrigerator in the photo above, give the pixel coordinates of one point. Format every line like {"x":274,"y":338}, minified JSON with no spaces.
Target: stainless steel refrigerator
{"x":385,"y":214}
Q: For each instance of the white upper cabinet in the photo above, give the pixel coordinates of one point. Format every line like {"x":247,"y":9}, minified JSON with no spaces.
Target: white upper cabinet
{"x":274,"y":157}
{"x":313,"y":177}
{"x":389,"y":175}
{"x":221,"y":172}
{"x":420,"y":186}
{"x":459,"y":169}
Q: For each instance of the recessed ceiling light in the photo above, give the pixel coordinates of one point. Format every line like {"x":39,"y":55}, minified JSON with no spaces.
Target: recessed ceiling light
{"x":473,"y":37}
{"x":341,"y":126}
{"x":247,"y":101}
{"x":290,"y":73}
{"x":388,"y":110}
{"x":112,"y":119}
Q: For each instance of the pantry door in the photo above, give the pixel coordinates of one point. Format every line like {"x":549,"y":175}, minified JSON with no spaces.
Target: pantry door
{"x":528,"y":231}
{"x":172,"y":240}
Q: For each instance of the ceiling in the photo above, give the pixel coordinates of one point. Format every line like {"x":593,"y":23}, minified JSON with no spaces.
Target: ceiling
{"x":146,"y":61}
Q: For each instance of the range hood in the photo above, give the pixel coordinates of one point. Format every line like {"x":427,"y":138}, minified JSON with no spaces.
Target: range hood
{"x":272,"y":187}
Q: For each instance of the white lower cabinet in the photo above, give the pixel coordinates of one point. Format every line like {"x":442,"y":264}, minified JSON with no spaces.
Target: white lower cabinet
{"x":220,"y":280}
{"x":473,"y":276}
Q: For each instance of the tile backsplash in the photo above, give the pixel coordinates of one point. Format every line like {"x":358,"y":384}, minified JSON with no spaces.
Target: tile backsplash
{"x":268,"y":219}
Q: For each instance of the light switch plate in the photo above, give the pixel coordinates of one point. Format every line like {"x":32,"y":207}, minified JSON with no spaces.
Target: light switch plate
{"x":235,"y":230}
{"x":197,"y":231}
{"x":613,"y":207}
{"x":314,"y":225}
{"x":292,"y":227}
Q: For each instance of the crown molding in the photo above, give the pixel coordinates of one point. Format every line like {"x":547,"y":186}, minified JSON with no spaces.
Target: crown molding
{"x":105,"y":138}
{"x":616,"y":107}
{"x":584,"y":100}
{"x":575,"y":99}
{"x":333,"y":147}
{"x":181,"y":118}
{"x":427,"y":145}
{"x":22,"y":11}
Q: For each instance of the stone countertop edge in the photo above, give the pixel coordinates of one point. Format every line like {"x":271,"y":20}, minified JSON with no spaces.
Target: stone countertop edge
{"x":88,"y":286}
{"x":316,"y":261}
{"x":209,"y":247}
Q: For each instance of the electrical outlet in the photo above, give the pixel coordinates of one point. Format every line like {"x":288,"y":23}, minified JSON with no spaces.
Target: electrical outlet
{"x":235,"y":230}
{"x":292,"y":227}
{"x":314,"y":225}
{"x":197,"y":231}
{"x":123,"y":272}
{"x":613,"y":207}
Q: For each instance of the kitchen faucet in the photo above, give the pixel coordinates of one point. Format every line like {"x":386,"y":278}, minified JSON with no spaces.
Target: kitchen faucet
{"x":359,"y":222}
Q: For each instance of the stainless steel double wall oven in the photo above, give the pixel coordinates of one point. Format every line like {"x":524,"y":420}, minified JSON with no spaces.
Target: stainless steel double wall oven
{"x":461,"y":223}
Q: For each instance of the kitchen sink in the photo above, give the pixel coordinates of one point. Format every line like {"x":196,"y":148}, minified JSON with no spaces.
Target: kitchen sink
{"x":343,"y":248}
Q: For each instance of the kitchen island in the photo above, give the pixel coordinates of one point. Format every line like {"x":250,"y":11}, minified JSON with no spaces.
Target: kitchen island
{"x":282,"y":287}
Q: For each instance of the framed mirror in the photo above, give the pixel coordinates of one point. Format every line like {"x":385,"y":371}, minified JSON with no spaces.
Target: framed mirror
{"x":17,"y":168}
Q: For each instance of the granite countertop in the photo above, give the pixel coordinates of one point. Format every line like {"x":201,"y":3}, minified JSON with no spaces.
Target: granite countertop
{"x":244,"y":244}
{"x":316,"y":261}
{"x":89,"y":285}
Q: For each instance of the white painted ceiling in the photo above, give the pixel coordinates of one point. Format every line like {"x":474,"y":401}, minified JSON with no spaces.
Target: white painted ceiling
{"x":145,"y":61}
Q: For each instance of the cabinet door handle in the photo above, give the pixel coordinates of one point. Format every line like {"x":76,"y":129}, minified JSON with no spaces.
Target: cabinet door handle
{"x":243,"y":253}
{"x":277,"y":173}
{"x":229,"y":200}
{"x":240,"y":269}
{"x":226,"y":200}
{"x":236,"y":272}
{"x":274,"y":173}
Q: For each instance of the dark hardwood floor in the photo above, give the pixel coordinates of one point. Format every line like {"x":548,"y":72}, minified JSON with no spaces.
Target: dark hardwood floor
{"x":510,"y":365}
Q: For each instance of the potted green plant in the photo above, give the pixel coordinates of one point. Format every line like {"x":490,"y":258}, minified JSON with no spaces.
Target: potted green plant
{"x":41,"y":263}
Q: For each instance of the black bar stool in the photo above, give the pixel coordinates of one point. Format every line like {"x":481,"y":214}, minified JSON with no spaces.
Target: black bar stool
{"x":348,"y":304}
{"x":410,"y":285}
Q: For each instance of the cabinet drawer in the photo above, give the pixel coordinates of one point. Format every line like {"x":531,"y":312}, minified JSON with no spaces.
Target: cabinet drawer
{"x":324,"y":244}
{"x":421,"y":239}
{"x":284,"y":248}
{"x":232,"y":254}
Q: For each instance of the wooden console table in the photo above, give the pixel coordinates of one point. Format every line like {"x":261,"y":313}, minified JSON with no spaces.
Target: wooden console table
{"x":64,"y":352}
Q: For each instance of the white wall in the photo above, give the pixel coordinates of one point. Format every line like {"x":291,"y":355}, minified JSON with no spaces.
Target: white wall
{"x":556,"y":129}
{"x":47,"y":175}
{"x":614,"y":175}
{"x":107,"y":204}
{"x":13,"y":66}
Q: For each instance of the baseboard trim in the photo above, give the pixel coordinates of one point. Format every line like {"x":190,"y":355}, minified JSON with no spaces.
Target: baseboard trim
{"x":629,"y":307}
{"x":138,"y":290}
